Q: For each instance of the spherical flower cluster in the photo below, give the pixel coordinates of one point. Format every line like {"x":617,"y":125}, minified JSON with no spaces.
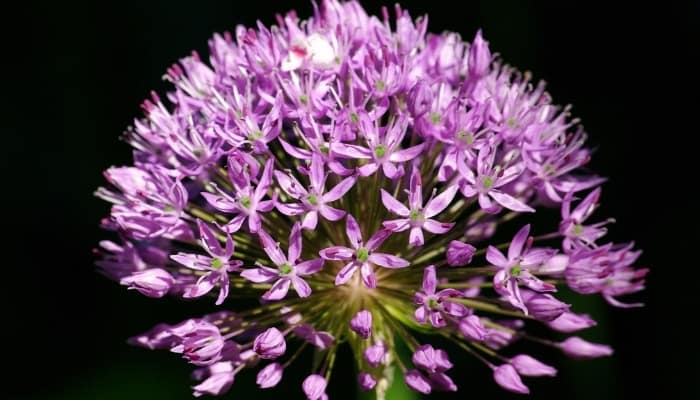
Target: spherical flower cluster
{"x":348,"y":174}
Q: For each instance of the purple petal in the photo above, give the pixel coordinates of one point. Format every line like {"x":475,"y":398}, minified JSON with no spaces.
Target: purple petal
{"x":301,"y":287}
{"x":220,"y":203}
{"x":351,"y":151}
{"x":294,"y":251}
{"x":394,"y":205}
{"x":290,"y":185}
{"x":340,"y":189}
{"x":495,"y":257}
{"x":330,"y":213}
{"x":516,"y":245}
{"x":278,"y":290}
{"x":290,"y":209}
{"x":429,"y":280}
{"x":368,"y":276}
{"x":510,"y":202}
{"x":309,"y":267}
{"x":387,"y":260}
{"x":353,"y":231}
{"x":421,"y":314}
{"x":368,"y":169}
{"x":397,"y":225}
{"x":316,"y":173}
{"x":259,"y":275}
{"x":377,"y":239}
{"x":415,"y":194}
{"x":437,"y":227}
{"x":507,"y":377}
{"x":345,"y":273}
{"x":406,"y":154}
{"x":310,"y":220}
{"x":440,"y":202}
{"x":415,"y":237}
{"x":337,"y":253}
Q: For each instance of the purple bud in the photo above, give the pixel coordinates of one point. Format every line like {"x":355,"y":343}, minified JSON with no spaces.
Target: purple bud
{"x":416,"y":381}
{"x":441,"y":381}
{"x":375,"y":354}
{"x":459,"y":253}
{"x":528,"y":366}
{"x":366,"y":381}
{"x":154,"y":282}
{"x":545,"y":307}
{"x":419,"y":99}
{"x":472,"y":328}
{"x":219,"y":378}
{"x":361,"y":324}
{"x":507,"y":377}
{"x":569,"y":322}
{"x":479,"y":57}
{"x":200,"y":342}
{"x":270,"y":344}
{"x":269,"y":376}
{"x":314,"y":387}
{"x":576,"y":347}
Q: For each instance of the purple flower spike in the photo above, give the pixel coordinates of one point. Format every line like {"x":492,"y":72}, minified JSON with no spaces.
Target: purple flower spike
{"x":507,"y":377}
{"x":418,"y":218}
{"x":434,"y":306}
{"x":314,"y":387}
{"x":576,"y":347}
{"x":289,"y":268}
{"x":311,"y":157}
{"x":528,"y":366}
{"x":361,"y":255}
{"x":270,"y":344}
{"x":269,"y":376}
{"x":361,"y":324}
{"x":155,"y":282}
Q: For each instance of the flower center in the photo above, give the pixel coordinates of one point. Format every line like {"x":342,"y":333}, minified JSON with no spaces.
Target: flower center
{"x":304,"y":99}
{"x":435,"y":118}
{"x":465,"y":137}
{"x":432,"y":303}
{"x":255,"y":136}
{"x":312,"y":199}
{"x":578,"y":229}
{"x":245,"y":202}
{"x":216,"y":263}
{"x":285,"y":269}
{"x":511,"y":122}
{"x":380,"y":85}
{"x":415,"y":215}
{"x":362,"y":254}
{"x":515,"y":271}
{"x":379,"y":151}
{"x":488,"y":182}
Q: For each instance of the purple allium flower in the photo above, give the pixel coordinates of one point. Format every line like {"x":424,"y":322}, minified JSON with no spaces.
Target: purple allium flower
{"x":416,"y":217}
{"x":361,"y":255}
{"x":289,"y":269}
{"x":276,"y":156}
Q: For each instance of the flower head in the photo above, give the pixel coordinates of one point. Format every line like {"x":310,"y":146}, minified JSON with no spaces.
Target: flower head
{"x":337,"y":181}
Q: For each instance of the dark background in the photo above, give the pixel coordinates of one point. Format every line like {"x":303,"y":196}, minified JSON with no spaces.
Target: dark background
{"x":78,"y":73}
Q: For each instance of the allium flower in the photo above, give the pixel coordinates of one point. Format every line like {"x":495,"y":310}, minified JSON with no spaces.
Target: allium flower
{"x":367,"y":168}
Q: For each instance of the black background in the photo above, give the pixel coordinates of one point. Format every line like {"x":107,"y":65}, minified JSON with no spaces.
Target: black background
{"x":79,"y":71}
